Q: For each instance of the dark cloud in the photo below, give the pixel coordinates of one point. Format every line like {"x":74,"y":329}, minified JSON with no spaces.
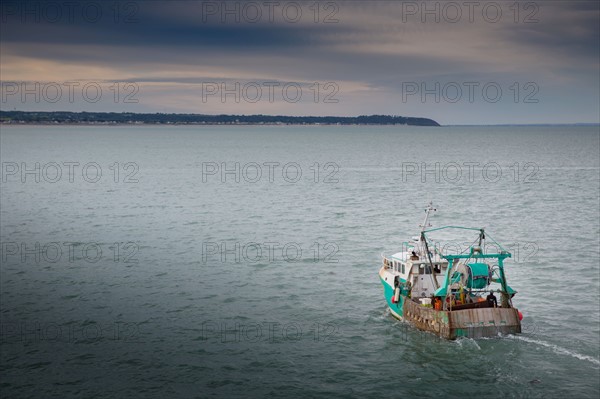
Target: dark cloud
{"x":156,"y":24}
{"x":564,"y":27}
{"x":571,"y":30}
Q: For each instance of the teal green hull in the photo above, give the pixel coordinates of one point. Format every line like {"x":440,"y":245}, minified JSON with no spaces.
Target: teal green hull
{"x":388,"y":292}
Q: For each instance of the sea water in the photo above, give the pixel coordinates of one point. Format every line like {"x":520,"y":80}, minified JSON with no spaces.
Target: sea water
{"x":241,"y":261}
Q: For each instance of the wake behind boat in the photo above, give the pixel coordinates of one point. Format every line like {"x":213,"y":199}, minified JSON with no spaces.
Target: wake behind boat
{"x":451,"y":295}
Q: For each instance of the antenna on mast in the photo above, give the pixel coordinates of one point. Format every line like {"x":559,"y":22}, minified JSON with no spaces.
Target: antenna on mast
{"x":428,"y":211}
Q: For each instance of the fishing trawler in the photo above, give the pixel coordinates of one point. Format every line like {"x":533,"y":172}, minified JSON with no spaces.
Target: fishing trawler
{"x":451,"y":295}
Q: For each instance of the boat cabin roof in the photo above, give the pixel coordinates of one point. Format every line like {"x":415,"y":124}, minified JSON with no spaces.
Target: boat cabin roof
{"x":405,"y":256}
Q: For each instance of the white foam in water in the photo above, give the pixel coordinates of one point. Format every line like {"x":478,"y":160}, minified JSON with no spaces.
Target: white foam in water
{"x":557,"y":349}
{"x":461,"y":340}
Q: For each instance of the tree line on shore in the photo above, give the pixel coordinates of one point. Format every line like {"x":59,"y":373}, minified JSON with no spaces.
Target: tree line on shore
{"x":59,"y":117}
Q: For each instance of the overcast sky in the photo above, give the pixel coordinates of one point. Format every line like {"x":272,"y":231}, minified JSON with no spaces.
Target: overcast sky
{"x":463,"y":62}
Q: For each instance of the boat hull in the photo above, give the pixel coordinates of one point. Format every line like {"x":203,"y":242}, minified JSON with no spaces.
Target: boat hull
{"x":469,"y":323}
{"x":395,"y":308}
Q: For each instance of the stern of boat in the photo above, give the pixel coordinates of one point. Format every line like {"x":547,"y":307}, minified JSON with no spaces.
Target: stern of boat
{"x":468,"y":323}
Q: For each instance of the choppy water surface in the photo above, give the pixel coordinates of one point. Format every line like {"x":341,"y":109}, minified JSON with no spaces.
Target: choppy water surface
{"x":143,"y":271}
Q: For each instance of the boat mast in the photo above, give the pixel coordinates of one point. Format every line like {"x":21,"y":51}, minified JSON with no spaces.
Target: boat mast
{"x":481,"y":240}
{"x":428,"y":210}
{"x":424,"y":245}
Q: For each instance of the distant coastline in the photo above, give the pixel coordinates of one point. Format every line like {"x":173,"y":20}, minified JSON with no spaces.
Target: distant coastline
{"x":129,"y":118}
